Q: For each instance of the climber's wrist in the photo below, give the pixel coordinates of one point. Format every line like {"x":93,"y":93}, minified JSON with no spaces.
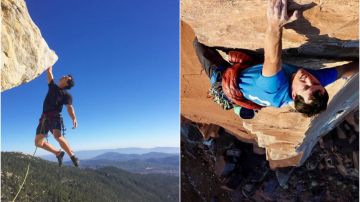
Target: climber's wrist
{"x":273,"y":29}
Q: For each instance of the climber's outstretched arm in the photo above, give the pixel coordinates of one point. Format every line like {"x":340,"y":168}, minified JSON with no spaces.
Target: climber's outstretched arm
{"x":50,"y":75}
{"x":277,"y":17}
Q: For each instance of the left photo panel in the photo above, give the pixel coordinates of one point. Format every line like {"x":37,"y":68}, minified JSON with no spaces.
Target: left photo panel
{"x":90,"y":100}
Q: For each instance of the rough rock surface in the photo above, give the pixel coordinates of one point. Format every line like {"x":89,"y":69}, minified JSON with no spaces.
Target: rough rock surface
{"x":287,"y":136}
{"x":331,"y":173}
{"x":326,"y":27}
{"x":25,"y":54}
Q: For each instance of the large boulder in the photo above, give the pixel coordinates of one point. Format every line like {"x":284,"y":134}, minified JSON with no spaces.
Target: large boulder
{"x":326,"y":28}
{"x":25,"y":53}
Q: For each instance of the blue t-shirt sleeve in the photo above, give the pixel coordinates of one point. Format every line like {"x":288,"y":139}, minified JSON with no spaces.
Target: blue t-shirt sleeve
{"x":273,"y":83}
{"x":325,"y":76}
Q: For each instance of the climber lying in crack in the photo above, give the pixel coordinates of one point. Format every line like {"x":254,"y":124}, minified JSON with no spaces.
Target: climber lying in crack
{"x":254,"y":81}
{"x":51,"y":119}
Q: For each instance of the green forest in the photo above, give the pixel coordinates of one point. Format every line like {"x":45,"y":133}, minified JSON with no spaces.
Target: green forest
{"x":48,"y":182}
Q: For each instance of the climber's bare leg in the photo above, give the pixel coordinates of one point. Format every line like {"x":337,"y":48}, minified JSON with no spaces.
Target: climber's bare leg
{"x":62,"y":141}
{"x":40,"y":142}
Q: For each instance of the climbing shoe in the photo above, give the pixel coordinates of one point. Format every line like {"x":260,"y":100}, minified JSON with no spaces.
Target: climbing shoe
{"x":75,"y":161}
{"x":60,"y":158}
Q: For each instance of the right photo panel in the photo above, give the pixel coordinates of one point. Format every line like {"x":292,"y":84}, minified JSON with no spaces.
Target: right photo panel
{"x":269,"y":100}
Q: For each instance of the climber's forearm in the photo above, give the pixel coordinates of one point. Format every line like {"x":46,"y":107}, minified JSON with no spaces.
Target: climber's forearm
{"x":272,"y":49}
{"x":49,"y":74}
{"x":276,"y":18}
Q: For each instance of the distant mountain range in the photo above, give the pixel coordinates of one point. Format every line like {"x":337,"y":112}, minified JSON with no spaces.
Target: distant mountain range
{"x":89,"y":154}
{"x":125,"y":157}
{"x":149,"y":163}
{"x":48,"y":182}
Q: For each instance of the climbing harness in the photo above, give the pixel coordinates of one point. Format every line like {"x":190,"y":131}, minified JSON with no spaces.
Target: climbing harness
{"x":50,"y":117}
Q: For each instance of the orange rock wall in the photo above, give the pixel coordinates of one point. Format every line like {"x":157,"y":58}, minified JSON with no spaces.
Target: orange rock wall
{"x":325,"y":28}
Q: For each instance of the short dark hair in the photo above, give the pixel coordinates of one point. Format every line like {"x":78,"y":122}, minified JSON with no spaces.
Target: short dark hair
{"x":318,"y":104}
{"x":70,"y":82}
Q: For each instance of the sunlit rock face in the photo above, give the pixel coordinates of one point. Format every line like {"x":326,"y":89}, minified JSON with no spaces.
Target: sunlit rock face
{"x":287,"y":136}
{"x":325,"y":28}
{"x":25,"y":53}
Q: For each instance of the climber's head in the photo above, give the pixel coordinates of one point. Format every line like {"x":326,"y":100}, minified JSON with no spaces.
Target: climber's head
{"x":309,"y":95}
{"x":66,"y":82}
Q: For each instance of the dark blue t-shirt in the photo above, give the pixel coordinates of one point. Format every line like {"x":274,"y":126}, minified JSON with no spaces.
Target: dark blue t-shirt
{"x":275,"y":90}
{"x":56,"y":98}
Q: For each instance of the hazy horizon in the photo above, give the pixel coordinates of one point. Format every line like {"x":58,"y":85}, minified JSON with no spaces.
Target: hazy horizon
{"x":40,"y":152}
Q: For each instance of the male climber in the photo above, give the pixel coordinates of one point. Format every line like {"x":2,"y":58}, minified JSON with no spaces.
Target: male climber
{"x":51,"y":119}
{"x":257,"y":81}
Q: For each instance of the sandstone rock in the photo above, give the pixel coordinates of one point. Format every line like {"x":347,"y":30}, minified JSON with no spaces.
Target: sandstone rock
{"x":326,"y":28}
{"x":287,"y":136}
{"x":25,"y":54}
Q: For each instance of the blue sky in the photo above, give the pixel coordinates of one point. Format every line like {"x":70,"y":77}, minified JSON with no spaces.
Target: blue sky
{"x":124,"y":57}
